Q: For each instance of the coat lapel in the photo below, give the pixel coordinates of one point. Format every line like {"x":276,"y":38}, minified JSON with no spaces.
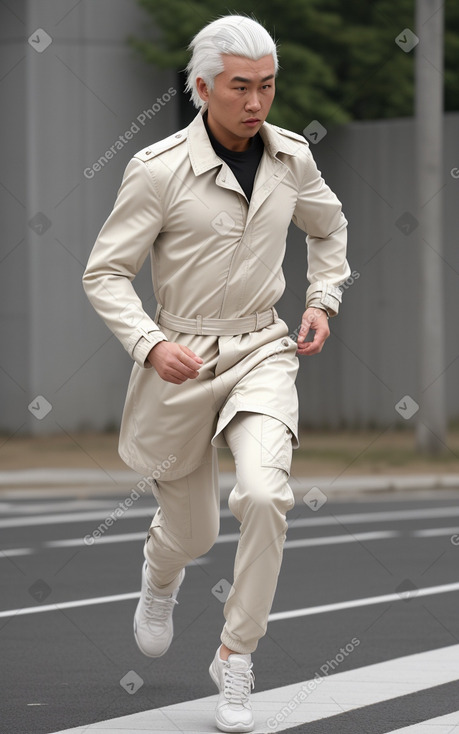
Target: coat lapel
{"x":271,"y":170}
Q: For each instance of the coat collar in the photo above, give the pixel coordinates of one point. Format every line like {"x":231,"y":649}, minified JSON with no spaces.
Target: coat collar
{"x":203,"y":156}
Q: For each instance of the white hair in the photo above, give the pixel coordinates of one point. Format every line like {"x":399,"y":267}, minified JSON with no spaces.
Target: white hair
{"x":234,"y":35}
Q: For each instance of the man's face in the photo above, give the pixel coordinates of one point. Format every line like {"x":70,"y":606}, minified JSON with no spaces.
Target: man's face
{"x":240,"y":100}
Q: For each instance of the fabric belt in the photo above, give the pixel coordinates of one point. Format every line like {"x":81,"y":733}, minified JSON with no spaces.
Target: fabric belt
{"x":216,"y":327}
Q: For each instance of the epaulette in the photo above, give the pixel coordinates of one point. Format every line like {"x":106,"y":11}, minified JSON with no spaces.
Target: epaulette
{"x":162,"y":145}
{"x":290,"y":134}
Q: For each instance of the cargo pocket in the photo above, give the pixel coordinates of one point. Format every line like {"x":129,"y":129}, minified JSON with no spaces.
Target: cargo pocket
{"x":174,"y":513}
{"x":276,"y":444}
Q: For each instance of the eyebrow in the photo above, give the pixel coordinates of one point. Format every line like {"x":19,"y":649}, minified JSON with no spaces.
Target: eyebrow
{"x":247,"y":81}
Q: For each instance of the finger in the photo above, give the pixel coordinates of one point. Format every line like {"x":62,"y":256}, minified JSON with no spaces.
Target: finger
{"x":194,"y":357}
{"x":174,"y":376}
{"x":315,"y":346}
{"x":171,"y":377}
{"x":310,"y":348}
{"x":181,"y":370}
{"x":304,"y":331}
{"x":173,"y":380}
{"x":320,"y":334}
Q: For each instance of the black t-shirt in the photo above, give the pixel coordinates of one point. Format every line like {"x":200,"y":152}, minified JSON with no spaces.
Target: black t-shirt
{"x":243,"y":163}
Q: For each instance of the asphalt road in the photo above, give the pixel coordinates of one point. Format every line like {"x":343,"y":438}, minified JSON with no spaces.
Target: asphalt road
{"x":61,"y":666}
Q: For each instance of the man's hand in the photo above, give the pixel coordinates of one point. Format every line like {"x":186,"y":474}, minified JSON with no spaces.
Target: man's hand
{"x":174,"y":362}
{"x":314,"y":319}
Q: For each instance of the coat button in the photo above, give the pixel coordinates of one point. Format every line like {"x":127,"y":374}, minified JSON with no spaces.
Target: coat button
{"x":178,"y":136}
{"x":285,"y":342}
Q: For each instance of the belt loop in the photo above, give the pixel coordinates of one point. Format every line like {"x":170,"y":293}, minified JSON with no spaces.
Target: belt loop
{"x":274,"y":314}
{"x":199,"y":324}
{"x":159,"y":308}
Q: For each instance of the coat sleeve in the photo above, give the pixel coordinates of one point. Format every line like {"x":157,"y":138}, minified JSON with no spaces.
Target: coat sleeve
{"x":118,"y":254}
{"x":318,"y":213}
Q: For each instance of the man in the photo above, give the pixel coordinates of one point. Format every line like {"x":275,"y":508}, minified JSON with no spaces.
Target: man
{"x":211,"y":205}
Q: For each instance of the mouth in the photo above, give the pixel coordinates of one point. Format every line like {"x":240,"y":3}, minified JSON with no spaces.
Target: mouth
{"x":252,"y":121}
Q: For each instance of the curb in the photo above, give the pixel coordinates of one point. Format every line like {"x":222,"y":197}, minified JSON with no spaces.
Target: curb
{"x":381,"y":483}
{"x":52,"y":482}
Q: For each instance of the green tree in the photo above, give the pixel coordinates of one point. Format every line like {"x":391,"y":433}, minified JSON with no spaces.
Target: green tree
{"x":338,"y":60}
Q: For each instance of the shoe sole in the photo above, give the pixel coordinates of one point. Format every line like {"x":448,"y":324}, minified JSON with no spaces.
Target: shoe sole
{"x":221,"y":725}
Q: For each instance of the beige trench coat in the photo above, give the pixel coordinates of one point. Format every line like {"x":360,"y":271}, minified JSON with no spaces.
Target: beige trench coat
{"x":215,"y":255}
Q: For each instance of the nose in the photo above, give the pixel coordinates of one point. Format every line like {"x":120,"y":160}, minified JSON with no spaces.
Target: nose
{"x":253,"y":103}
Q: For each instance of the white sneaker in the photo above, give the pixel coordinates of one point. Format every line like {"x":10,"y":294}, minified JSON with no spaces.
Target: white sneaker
{"x":234,"y":679}
{"x":153,"y":627}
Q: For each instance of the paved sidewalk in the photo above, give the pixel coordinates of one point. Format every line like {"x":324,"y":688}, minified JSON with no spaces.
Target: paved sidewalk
{"x":333,"y":462}
{"x":88,"y":482}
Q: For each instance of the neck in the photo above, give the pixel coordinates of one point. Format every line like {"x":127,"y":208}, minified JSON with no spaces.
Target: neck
{"x":225,"y":137}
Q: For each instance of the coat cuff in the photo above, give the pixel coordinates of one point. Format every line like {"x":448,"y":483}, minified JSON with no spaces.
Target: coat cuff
{"x":324,"y":295}
{"x":144,"y":345}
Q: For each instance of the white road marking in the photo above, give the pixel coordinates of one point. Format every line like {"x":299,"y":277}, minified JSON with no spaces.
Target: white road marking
{"x":10,"y":552}
{"x":74,"y":543}
{"x":383,"y":516}
{"x":367,"y":601}
{"x":228,"y":538}
{"x":231,"y":538}
{"x":37,"y":704}
{"x":19,"y":522}
{"x":22,"y":508}
{"x":70,"y":604}
{"x":57,"y":519}
{"x":434,"y":532}
{"x":317,"y":520}
{"x":273,"y":617}
{"x":322,"y":540}
{"x":324,"y":695}
{"x":336,"y":539}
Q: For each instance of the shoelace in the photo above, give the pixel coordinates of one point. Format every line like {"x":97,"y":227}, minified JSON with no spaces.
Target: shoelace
{"x":238,"y":683}
{"x":158,"y":608}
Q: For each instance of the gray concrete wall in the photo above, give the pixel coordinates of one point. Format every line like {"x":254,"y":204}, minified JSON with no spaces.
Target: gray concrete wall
{"x":63,"y":106}
{"x":370,"y":361}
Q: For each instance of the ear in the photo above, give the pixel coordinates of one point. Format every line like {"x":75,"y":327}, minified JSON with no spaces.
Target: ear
{"x":202,"y":90}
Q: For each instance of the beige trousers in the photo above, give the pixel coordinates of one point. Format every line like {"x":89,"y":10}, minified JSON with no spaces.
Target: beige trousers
{"x":187,"y":522}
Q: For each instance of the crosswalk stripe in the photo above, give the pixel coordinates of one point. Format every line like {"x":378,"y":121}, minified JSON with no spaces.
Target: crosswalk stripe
{"x":320,"y":697}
